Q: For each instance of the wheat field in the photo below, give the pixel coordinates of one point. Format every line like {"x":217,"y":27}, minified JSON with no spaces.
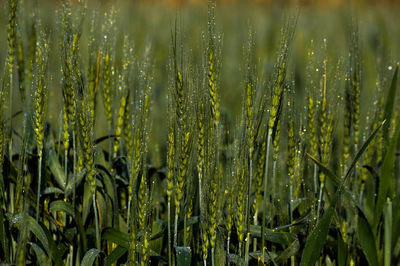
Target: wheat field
{"x":136,"y":133}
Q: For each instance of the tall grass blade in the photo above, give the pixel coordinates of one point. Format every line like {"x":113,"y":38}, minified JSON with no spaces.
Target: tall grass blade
{"x":367,"y":239}
{"x":388,"y":233}
{"x":386,"y":181}
{"x":265,"y":184}
{"x":316,"y":240}
{"x":395,"y":220}
{"x":389,"y":103}
{"x":342,"y":251}
{"x":87,"y":202}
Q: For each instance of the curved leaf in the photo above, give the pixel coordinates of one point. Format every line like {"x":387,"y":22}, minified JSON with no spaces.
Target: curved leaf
{"x":41,"y":256}
{"x":56,"y":169}
{"x":62,"y":206}
{"x":38,"y":231}
{"x":117,"y":253}
{"x":115,"y":236}
{"x":284,"y":238}
{"x":367,"y":239}
{"x":52,"y":190}
{"x":42,"y":234}
{"x":90,"y":257}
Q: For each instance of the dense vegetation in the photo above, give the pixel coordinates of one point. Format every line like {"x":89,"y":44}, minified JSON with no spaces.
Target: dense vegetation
{"x":205,"y":136}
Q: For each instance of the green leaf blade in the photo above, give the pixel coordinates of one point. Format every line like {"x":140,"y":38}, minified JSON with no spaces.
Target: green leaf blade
{"x":117,"y":253}
{"x":389,"y":103}
{"x":90,"y":257}
{"x":367,"y":239}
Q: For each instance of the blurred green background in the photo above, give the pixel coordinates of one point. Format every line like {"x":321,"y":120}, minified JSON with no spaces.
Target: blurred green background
{"x":149,"y":24}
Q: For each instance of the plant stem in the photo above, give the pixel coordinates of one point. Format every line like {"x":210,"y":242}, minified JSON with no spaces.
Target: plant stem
{"x":212,"y":256}
{"x":315,"y":188}
{"x":265,"y":196}
{"x":39,"y":183}
{"x":11,"y":116}
{"x":128,"y":218}
{"x":184,"y":229}
{"x":176,"y":227}
{"x":60,"y":133}
{"x":290,"y":203}
{"x":12,"y":207}
{"x":200,"y":195}
{"x":110,"y":143}
{"x":227,"y":243}
{"x":248,"y":194}
{"x":246,"y":254}
{"x":169,"y":232}
{"x":74,"y":169}
{"x":273,"y":191}
{"x":255,"y":223}
{"x":70,"y":257}
{"x":319,"y":200}
{"x":96,"y":218}
{"x":66,"y":164}
{"x":129,"y":211}
{"x":248,"y":203}
{"x":292,"y":258}
{"x":360,"y":200}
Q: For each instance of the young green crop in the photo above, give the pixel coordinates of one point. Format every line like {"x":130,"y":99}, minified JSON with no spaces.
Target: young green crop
{"x":257,"y":179}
